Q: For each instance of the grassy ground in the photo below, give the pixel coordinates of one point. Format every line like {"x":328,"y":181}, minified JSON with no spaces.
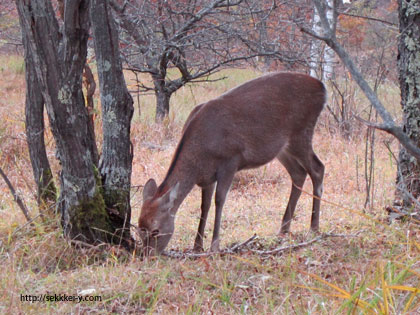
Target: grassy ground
{"x":367,"y":266}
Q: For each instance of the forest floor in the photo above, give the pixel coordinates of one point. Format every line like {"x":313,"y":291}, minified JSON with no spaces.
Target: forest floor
{"x":359,"y":263}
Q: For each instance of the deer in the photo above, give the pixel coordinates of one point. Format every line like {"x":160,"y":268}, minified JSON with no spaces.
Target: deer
{"x":272,"y":116}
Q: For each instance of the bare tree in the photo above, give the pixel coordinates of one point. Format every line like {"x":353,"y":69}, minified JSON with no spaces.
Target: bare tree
{"x":161,"y":35}
{"x":181,"y":42}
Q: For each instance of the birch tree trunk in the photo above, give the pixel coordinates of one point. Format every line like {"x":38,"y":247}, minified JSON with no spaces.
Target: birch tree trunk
{"x":408,"y":176}
{"x":322,"y":56}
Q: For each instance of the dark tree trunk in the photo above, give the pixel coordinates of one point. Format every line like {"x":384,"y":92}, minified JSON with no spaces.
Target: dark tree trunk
{"x":59,"y":60}
{"x":117,"y":111}
{"x":162,"y":97}
{"x":34,"y":115}
{"x":408,"y":176}
{"x":89,"y":82}
{"x":90,"y":85}
{"x":162,"y":105}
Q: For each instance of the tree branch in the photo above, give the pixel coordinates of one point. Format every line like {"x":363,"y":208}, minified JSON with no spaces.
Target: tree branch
{"x":16,"y":196}
{"x":369,"y":18}
{"x":389,"y":124}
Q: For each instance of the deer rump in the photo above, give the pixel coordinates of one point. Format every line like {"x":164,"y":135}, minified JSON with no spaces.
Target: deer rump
{"x":273,"y":116}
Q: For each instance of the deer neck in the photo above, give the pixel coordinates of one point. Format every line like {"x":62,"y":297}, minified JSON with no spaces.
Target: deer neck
{"x":186,"y":183}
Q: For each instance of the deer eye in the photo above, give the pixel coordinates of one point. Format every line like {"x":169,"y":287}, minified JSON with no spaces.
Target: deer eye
{"x":154,"y":233}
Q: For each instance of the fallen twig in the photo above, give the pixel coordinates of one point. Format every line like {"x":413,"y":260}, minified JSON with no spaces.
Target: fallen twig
{"x":16,"y":197}
{"x":284,"y":248}
{"x":235,"y":248}
{"x":303,"y":244}
{"x":30,"y":223}
{"x":228,"y":250}
{"x":82,"y":244}
{"x":343,"y":235}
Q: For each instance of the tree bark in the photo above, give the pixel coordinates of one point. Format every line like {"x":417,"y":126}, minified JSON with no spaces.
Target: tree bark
{"x":162,"y":105}
{"x":117,"y":110}
{"x":322,"y":58}
{"x":90,"y":85}
{"x":408,"y":176}
{"x":89,"y":82}
{"x":162,"y":97}
{"x":34,"y":124}
{"x":59,"y":59}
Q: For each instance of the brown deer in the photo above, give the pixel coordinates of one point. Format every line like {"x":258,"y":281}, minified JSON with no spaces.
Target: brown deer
{"x":273,"y":116}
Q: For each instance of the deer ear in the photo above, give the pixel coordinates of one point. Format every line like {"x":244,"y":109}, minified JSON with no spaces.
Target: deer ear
{"x":149,"y":190}
{"x":167,"y":200}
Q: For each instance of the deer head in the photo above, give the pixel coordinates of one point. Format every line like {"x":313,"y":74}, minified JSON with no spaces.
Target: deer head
{"x":156,"y":223}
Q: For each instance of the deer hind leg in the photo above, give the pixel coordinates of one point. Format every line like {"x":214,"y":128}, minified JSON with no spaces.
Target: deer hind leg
{"x":206,"y":194}
{"x":298,"y":176}
{"x":311,"y":163}
{"x":316,"y":172}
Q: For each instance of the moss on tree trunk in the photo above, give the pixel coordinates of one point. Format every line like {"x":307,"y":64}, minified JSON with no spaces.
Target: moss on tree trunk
{"x":91,"y":220}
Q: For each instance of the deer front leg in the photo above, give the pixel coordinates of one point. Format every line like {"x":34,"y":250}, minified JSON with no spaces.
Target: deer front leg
{"x":206,"y":194}
{"x":224,"y":180}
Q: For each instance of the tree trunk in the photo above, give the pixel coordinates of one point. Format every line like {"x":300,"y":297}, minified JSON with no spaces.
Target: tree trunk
{"x":162,"y":97}
{"x":34,"y":123}
{"x":408,"y":176}
{"x":162,"y":105}
{"x":59,"y":60}
{"x":90,"y":85}
{"x":328,"y":53}
{"x":322,"y":56}
{"x":117,"y":110}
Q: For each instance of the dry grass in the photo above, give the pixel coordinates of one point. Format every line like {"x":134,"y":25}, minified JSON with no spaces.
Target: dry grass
{"x":375,"y":271}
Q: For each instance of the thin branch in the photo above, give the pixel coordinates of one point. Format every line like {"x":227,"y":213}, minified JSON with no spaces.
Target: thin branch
{"x":285,"y":248}
{"x":98,"y":248}
{"x":309,"y":32}
{"x":236,"y":247}
{"x":30,"y":223}
{"x":370,"y":124}
{"x":16,"y":196}
{"x":367,"y":18}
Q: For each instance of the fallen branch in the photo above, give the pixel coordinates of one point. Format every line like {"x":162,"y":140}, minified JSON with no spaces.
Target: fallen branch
{"x":30,"y":223}
{"x":81,"y":244}
{"x":228,"y":250}
{"x":303,"y":244}
{"x":285,"y":248}
{"x":16,"y":197}
{"x":235,"y":248}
